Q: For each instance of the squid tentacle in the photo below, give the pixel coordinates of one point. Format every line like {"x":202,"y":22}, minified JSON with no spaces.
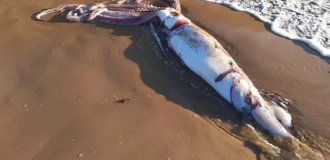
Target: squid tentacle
{"x":58,"y":10}
{"x":127,"y":12}
{"x":124,"y":15}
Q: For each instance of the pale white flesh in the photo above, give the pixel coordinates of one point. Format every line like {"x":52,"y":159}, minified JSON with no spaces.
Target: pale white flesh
{"x":205,"y":56}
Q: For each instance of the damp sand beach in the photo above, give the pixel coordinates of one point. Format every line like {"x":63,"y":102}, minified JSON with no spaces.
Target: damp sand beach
{"x":60,"y":83}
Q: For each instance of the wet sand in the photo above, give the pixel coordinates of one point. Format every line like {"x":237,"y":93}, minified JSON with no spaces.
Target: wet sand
{"x":60,"y":82}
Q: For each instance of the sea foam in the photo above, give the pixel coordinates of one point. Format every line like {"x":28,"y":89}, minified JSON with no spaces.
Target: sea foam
{"x":303,"y":20}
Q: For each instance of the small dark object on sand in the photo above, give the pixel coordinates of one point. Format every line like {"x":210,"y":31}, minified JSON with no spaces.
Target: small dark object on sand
{"x":123,"y":100}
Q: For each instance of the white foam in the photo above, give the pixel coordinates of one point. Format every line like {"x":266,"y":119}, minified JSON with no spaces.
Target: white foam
{"x":303,"y":20}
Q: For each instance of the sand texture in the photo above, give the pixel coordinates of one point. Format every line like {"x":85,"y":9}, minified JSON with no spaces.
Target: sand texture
{"x":60,"y":84}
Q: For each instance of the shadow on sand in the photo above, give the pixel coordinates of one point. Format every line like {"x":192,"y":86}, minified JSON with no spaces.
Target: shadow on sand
{"x":170,"y":78}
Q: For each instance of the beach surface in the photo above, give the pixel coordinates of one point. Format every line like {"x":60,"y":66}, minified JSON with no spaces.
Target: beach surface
{"x":62,"y":85}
